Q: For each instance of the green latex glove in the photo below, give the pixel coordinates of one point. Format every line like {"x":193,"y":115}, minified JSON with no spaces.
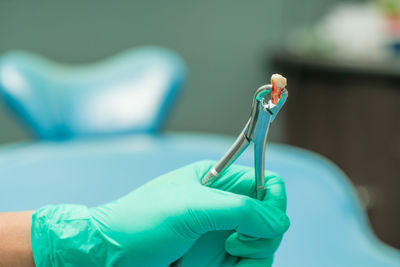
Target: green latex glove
{"x":165,"y":219}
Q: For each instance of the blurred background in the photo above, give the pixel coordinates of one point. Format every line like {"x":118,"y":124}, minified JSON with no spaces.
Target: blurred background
{"x":341,"y":60}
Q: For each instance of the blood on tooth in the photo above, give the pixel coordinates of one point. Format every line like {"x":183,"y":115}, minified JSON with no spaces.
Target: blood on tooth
{"x":278,"y":84}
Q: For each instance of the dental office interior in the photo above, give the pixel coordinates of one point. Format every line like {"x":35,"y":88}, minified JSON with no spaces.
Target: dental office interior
{"x":99,"y":98}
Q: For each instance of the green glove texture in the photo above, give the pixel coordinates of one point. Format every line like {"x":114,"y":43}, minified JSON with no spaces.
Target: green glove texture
{"x":171,"y":216}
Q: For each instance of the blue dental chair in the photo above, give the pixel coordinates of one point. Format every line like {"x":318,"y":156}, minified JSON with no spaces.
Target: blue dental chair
{"x":328,"y":226}
{"x":128,"y":93}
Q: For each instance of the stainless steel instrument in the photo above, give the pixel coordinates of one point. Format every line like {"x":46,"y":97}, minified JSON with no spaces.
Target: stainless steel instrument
{"x":263,"y":113}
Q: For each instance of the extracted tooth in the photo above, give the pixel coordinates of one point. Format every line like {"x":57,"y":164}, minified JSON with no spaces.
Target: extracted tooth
{"x":278,"y":84}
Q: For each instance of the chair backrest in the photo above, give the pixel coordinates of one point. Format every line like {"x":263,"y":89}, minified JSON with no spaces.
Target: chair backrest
{"x":131,"y":92}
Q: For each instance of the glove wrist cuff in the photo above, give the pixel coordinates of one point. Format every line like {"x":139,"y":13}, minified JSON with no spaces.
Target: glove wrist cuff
{"x":65,"y":235}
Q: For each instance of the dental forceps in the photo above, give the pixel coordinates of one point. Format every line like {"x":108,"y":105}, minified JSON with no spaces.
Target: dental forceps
{"x":263,"y":113}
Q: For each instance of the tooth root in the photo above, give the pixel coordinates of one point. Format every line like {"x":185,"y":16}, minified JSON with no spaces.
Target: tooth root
{"x":278,"y":84}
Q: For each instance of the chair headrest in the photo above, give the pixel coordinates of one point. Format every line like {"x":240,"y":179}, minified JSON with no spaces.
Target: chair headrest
{"x":130,"y":92}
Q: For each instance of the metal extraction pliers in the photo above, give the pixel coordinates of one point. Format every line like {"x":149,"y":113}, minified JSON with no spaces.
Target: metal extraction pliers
{"x":262,"y":115}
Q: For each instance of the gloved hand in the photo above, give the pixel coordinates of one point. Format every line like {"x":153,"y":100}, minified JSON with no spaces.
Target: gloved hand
{"x":160,"y":221}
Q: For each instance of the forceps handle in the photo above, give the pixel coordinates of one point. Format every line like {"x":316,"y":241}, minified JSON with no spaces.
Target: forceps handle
{"x":260,"y":143}
{"x":240,"y":144}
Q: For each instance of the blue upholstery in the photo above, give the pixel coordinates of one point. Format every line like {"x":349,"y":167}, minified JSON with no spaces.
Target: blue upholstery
{"x":130,"y":92}
{"x":328,"y":227}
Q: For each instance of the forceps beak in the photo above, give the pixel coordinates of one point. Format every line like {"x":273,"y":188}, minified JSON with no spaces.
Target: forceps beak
{"x":262,"y":102}
{"x":274,"y":109}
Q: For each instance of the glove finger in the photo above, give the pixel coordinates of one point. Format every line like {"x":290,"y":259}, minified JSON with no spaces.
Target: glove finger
{"x":275,"y":192}
{"x":240,"y":180}
{"x":255,"y":262}
{"x":221,"y":210}
{"x":238,"y":246}
{"x":236,"y":178}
